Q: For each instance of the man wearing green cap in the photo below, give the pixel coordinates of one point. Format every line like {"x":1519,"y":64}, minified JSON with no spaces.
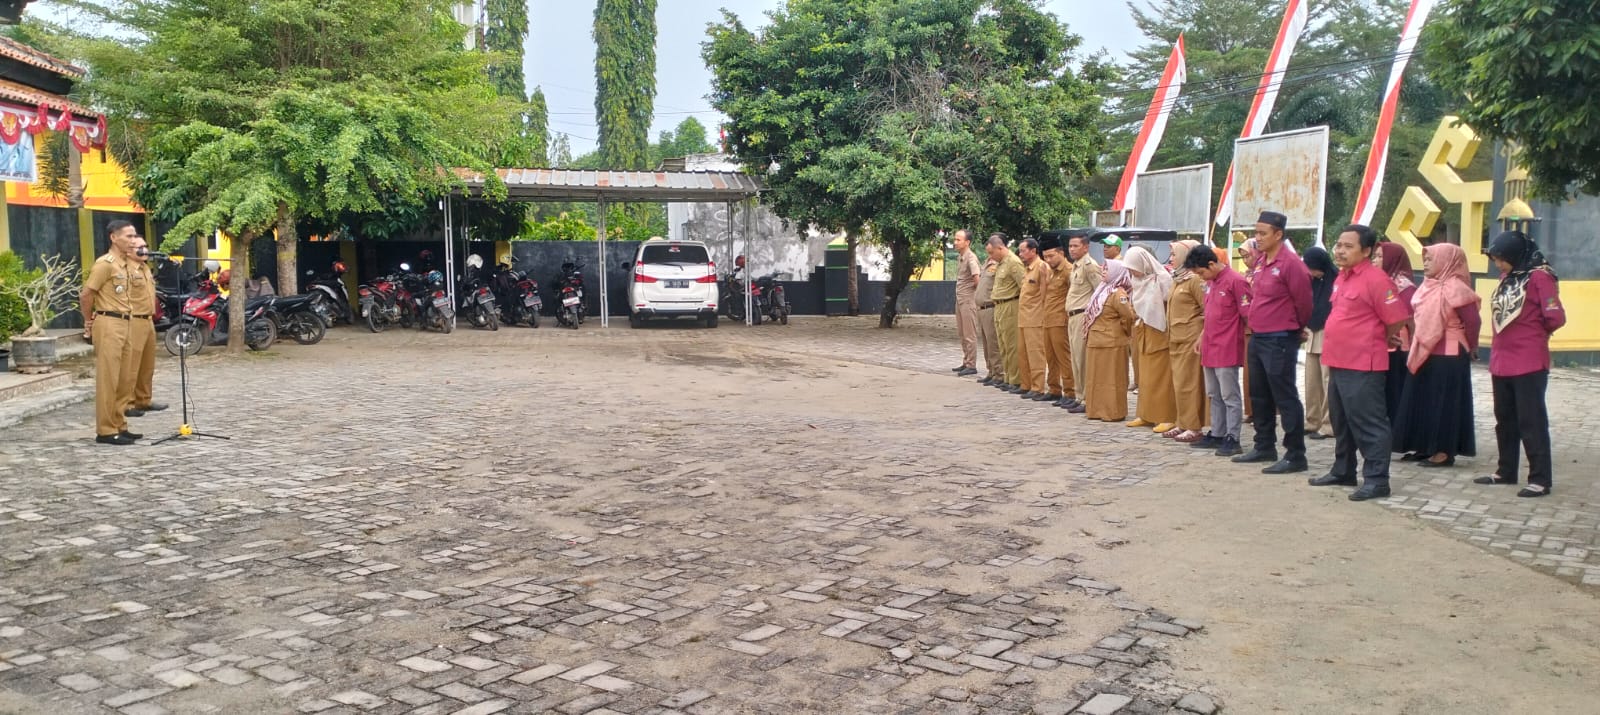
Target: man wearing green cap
{"x":1113,"y":247}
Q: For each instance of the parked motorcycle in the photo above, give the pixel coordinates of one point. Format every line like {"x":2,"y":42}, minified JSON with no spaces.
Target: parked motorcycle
{"x":433,"y":304}
{"x":328,"y":293}
{"x":476,"y":300}
{"x":386,"y":301}
{"x":771,"y":300}
{"x":731,"y":297}
{"x":516,"y":294}
{"x":569,"y":288}
{"x":169,"y":304}
{"x":296,"y":316}
{"x":205,"y":322}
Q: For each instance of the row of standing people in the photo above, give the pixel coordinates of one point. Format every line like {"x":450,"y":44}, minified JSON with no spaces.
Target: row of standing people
{"x":118,"y":301}
{"x":1386,"y":370}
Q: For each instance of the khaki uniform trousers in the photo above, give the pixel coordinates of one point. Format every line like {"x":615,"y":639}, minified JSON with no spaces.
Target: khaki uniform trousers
{"x":1005,"y":328}
{"x":967,"y":328}
{"x":139,"y":371}
{"x":1032,"y":359}
{"x":991,"y":345}
{"x":1059,"y":354}
{"x":1078,"y":342}
{"x":1316,"y":389}
{"x":111,"y":352}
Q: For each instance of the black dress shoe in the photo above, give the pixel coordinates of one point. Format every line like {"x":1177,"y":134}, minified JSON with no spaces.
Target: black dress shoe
{"x":986,"y":381}
{"x":133,"y":412}
{"x":1370,"y":490}
{"x":1412,"y":456}
{"x":963,"y":372}
{"x":1013,"y":389}
{"x":1044,"y":397}
{"x":153,"y":407}
{"x":1449,"y":461}
{"x":958,"y":368}
{"x":131,"y":435}
{"x":1286,"y":466}
{"x":1257,"y":455}
{"x":1207,"y":441}
{"x":1227,"y":447}
{"x":113,"y":439}
{"x":1078,"y":409}
{"x":1318,"y":435}
{"x":1328,"y":480}
{"x":1027,"y":394}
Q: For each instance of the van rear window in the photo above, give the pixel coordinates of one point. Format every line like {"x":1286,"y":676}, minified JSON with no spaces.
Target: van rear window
{"x":674,"y":253}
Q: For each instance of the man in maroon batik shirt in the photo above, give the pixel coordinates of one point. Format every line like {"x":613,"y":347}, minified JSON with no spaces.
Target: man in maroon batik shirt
{"x":1280,"y":309}
{"x":1365,"y":322}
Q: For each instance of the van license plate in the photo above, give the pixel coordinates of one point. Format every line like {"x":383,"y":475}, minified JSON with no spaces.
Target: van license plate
{"x":677,"y":284}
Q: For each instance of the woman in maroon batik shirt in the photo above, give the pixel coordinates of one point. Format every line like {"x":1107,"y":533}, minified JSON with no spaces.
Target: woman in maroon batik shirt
{"x":1526,"y":309}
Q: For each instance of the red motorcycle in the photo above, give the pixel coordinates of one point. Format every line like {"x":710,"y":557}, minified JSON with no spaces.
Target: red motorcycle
{"x":386,"y":301}
{"x":205,"y":322}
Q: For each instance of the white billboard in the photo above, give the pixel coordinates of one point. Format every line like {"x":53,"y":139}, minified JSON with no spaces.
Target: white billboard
{"x":1176,"y":199}
{"x":1286,"y":172}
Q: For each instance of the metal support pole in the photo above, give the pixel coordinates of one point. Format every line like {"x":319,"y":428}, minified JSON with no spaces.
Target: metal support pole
{"x":749,"y":267}
{"x":449,"y":252}
{"x":600,"y":237}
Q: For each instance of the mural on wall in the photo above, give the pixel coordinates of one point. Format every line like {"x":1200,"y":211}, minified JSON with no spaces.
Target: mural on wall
{"x":17,"y":160}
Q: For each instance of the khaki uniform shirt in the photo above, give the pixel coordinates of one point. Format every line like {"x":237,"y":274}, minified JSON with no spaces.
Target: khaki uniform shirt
{"x":1115,"y":323}
{"x":1186,"y":310}
{"x":122,"y":285}
{"x":1085,"y":278}
{"x":966,"y":278}
{"x":1035,"y":283}
{"x":1055,"y":296}
{"x":1008,"y":278}
{"x":986,"y":283}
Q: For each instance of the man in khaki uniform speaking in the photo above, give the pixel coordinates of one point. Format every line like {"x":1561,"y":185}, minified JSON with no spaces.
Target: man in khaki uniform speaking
{"x":1058,"y":350}
{"x":1008,"y":279}
{"x":118,"y":293}
{"x":1085,"y":278}
{"x":994,"y":368}
{"x":140,"y":388}
{"x":966,"y":304}
{"x":1032,"y":357}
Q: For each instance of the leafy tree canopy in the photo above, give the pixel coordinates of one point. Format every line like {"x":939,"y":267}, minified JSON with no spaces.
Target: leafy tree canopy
{"x":625,"y":80}
{"x":909,"y":116}
{"x":1527,"y":69}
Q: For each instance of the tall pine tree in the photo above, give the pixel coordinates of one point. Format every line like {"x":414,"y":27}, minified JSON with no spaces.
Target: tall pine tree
{"x":539,"y":128}
{"x":625,"y":80}
{"x":504,"y":37}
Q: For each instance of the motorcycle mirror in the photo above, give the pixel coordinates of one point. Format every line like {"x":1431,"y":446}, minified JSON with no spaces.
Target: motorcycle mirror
{"x":310,"y":272}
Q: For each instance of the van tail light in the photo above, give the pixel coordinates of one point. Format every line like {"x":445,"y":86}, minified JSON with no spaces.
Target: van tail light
{"x":707,"y":278}
{"x":642,"y":278}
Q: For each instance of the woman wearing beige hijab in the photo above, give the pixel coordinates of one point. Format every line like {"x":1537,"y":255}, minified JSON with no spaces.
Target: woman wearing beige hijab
{"x":1152,"y":284}
{"x":1185,"y":321}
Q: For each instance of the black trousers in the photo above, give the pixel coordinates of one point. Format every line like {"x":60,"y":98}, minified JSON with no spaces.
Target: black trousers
{"x":1274,"y":394}
{"x":1521,"y":420}
{"x":1360,"y":417}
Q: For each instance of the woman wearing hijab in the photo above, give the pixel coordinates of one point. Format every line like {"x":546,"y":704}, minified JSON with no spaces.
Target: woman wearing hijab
{"x":1397,"y":263}
{"x":1152,"y":284}
{"x":1108,"y":324}
{"x":1320,"y":263}
{"x":1185,"y":322}
{"x":1526,"y":309}
{"x":1435,"y":417}
{"x":1250,"y":253}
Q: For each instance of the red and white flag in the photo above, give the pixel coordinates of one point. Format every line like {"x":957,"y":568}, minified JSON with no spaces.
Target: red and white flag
{"x":1378,"y":154}
{"x":1294,"y":23}
{"x":1155,"y":124}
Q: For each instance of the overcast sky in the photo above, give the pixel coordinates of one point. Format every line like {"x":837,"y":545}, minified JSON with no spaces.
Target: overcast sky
{"x":560,"y":55}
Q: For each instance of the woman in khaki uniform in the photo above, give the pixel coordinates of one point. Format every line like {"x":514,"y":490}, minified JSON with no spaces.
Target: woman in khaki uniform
{"x":1185,"y":319}
{"x":1157,"y":409}
{"x":1108,"y":324}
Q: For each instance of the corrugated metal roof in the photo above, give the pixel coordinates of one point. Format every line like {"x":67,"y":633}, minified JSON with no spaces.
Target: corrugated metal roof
{"x":590,"y":184}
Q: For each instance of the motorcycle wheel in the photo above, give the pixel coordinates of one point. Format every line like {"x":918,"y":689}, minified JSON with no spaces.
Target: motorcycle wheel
{"x":408,"y":315}
{"x":326,"y":312}
{"x":305,"y":328}
{"x":572,"y":317}
{"x":260,"y":334}
{"x":735,"y":310}
{"x":755,"y":316}
{"x":374,"y":323}
{"x":184,"y":339}
{"x":533,"y":318}
{"x":444,"y":324}
{"x":783,"y":316}
{"x":488,"y":318}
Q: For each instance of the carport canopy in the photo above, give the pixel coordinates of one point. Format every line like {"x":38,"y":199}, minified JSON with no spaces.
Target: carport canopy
{"x":604,"y":187}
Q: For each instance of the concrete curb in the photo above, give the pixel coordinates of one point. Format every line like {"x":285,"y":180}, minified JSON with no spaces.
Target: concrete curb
{"x":18,"y":409}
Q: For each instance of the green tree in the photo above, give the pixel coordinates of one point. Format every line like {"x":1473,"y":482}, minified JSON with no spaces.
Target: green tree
{"x":908,"y":116}
{"x":538,"y":129}
{"x":246,"y":117}
{"x":689,"y":137}
{"x":1527,"y":70}
{"x":625,"y":80}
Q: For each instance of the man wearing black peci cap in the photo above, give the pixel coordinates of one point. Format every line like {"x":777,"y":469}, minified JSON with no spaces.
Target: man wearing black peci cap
{"x":1280,"y":309}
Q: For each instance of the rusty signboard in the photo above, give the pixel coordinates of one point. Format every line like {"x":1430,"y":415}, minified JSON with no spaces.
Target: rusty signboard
{"x":1286,"y":172}
{"x":1177,"y":199}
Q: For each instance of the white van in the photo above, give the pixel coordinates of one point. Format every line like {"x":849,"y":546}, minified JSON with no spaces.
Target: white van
{"x":672,"y":279}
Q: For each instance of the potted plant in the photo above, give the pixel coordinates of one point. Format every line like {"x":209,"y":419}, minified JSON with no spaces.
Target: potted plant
{"x":42,"y":292}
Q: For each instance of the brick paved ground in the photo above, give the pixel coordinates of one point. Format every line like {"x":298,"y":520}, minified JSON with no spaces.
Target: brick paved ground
{"x":659,"y":521}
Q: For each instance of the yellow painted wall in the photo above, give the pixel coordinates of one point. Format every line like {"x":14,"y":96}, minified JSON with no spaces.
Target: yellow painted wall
{"x":104,"y":183}
{"x":1578,"y":298}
